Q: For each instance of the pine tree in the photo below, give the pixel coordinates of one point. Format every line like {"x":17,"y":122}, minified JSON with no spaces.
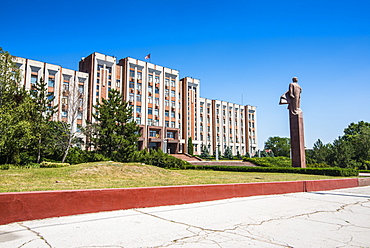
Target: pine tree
{"x":116,"y":133}
{"x":43,"y":113}
{"x":228,"y":153}
{"x":205,"y":152}
{"x":190,"y":146}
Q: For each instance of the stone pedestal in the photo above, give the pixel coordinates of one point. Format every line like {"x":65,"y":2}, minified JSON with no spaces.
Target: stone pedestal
{"x":297,"y":140}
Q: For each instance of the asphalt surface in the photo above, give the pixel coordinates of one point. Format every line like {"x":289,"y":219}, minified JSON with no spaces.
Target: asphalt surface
{"x":337,"y":218}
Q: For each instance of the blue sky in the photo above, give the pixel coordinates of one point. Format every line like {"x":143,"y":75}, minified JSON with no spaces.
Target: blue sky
{"x":246,"y":50}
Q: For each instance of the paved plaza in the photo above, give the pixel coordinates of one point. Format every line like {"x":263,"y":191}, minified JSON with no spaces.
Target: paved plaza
{"x":336,"y":218}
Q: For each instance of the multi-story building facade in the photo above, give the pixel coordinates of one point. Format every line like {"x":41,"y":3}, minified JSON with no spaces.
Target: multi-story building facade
{"x":152,"y":91}
{"x":190,"y":91}
{"x":68,"y":87}
{"x":224,"y":124}
{"x":169,"y":110}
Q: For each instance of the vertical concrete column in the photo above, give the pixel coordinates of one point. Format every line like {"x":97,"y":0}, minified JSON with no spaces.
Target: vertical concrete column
{"x":297,"y":140}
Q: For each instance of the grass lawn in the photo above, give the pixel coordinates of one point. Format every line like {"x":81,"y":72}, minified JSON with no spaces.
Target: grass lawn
{"x":124,"y":175}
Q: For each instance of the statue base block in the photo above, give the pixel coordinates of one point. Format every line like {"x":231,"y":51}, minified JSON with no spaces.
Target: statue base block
{"x":298,"y":154}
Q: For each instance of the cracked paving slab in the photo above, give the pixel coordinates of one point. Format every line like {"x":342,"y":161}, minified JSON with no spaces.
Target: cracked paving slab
{"x":337,"y":218}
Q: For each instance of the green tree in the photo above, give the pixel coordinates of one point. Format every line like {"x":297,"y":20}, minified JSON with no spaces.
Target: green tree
{"x":16,"y":129}
{"x":228,"y":153}
{"x":16,"y":112}
{"x":9,"y":79}
{"x":280,"y":146}
{"x":320,"y":152}
{"x":342,"y":154}
{"x":355,"y":129}
{"x":238,"y":155}
{"x":190,"y":146}
{"x":116,"y":133}
{"x":43,"y":113}
{"x":205,"y":152}
{"x":358,"y":134}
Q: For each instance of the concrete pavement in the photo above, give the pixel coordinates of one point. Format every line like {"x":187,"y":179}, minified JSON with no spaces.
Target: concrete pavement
{"x":336,"y":218}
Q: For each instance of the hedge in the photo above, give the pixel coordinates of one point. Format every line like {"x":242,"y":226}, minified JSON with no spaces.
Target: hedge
{"x":270,"y":161}
{"x":314,"y":171}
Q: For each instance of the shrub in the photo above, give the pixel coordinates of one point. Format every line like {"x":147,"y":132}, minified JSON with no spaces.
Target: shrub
{"x":77,"y":156}
{"x":318,"y":165}
{"x":45,"y":164}
{"x":270,"y":161}
{"x":4,"y":167}
{"x":315,"y":171}
{"x":161,"y":159}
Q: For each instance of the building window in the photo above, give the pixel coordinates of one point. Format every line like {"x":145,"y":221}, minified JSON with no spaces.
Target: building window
{"x":118,"y":83}
{"x":100,"y":67}
{"x":131,"y":97}
{"x":167,"y":123}
{"x":156,"y":112}
{"x":157,"y":79}
{"x":172,"y":124}
{"x":173,"y":114}
{"x":150,"y":99}
{"x":65,"y":86}
{"x":167,"y":82}
{"x":173,"y":83}
{"x":138,"y":86}
{"x":150,"y":79}
{"x":132,"y":73}
{"x":138,"y":109}
{"x":150,"y":89}
{"x":172,"y":93}
{"x":166,"y":113}
{"x":156,"y":101}
{"x":167,"y":103}
{"x":167,"y":92}
{"x":51,"y":82}
{"x":150,"y":122}
{"x":78,"y":128}
{"x":153,"y":133}
{"x":81,"y":89}
{"x":132,"y":85}
{"x":138,"y":98}
{"x":156,"y":90}
{"x":173,"y":104}
{"x":79,"y":115}
{"x":156,"y":122}
{"x":150,"y":111}
{"x":170,"y":135}
{"x":139,"y":75}
{"x":64,"y":114}
{"x":138,"y":120}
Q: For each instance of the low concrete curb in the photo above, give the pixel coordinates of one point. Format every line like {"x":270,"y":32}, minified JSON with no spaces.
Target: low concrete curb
{"x":15,"y":207}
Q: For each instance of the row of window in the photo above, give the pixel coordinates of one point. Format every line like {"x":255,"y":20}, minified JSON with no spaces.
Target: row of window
{"x":156,"y":134}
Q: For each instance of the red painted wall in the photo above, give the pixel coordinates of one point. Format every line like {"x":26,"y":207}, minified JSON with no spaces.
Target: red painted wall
{"x":23,"y":206}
